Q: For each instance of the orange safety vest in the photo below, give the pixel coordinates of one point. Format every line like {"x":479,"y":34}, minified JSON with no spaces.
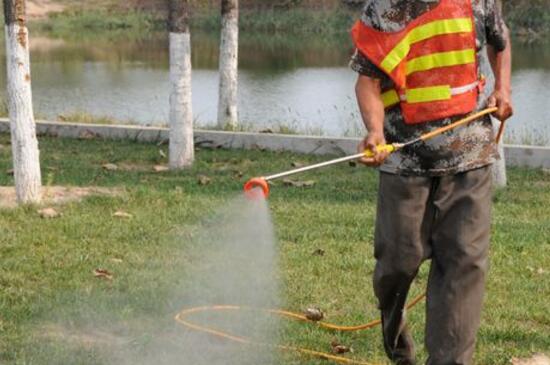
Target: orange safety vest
{"x":432,"y":62}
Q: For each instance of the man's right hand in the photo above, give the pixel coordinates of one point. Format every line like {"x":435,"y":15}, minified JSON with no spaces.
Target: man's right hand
{"x":370,"y":142}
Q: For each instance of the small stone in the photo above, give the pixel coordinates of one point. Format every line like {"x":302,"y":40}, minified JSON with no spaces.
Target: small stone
{"x":298,"y":184}
{"x":314,"y":314}
{"x":204,"y":180}
{"x":122,"y":214}
{"x":110,"y":167}
{"x":318,"y":252}
{"x":49,"y":213}
{"x":338,"y":348}
{"x":161,"y":168}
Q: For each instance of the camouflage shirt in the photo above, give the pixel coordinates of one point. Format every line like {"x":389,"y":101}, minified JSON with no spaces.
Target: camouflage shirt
{"x":462,"y":149}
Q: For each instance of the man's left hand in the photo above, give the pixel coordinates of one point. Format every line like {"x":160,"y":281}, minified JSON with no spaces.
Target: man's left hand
{"x":503,"y":102}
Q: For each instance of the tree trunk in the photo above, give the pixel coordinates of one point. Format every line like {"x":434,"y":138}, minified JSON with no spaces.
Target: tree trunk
{"x":181,"y":150}
{"x":499,"y":168}
{"x":26,"y":157}
{"x":229,"y":61}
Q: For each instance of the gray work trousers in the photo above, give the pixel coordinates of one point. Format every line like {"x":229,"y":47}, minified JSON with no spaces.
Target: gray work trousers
{"x":446,"y":219}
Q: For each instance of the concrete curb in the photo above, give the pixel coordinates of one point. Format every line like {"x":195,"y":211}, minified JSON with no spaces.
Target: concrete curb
{"x":524,"y":156}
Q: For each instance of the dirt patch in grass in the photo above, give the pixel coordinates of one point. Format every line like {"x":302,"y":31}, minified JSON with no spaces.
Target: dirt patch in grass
{"x":537,"y":359}
{"x":135,"y":167}
{"x":55,"y":194}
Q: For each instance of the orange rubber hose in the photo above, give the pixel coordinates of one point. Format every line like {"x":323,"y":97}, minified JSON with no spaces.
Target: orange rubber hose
{"x":181,"y":319}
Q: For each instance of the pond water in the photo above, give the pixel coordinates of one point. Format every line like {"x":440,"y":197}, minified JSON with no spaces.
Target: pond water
{"x":302,"y":84}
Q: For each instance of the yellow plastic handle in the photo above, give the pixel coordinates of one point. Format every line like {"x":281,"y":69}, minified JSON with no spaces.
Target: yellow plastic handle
{"x":389,"y":148}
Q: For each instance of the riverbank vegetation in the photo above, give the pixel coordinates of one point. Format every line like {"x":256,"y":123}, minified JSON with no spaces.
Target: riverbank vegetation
{"x":295,"y":22}
{"x":528,"y":20}
{"x":56,"y":308}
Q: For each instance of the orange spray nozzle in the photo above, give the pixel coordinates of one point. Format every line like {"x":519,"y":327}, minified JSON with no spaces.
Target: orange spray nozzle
{"x":255,"y":186}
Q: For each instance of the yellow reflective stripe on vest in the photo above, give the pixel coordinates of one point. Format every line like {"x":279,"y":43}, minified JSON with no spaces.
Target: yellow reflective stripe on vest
{"x":390,"y":97}
{"x":442,"y":59}
{"x":422,"y":32}
{"x":427,"y":94}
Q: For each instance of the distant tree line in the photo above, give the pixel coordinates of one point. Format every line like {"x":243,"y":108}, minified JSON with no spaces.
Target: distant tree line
{"x":508,"y":5}
{"x":161,"y":5}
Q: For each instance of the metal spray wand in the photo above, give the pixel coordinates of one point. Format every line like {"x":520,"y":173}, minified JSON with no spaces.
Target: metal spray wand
{"x":262,"y":182}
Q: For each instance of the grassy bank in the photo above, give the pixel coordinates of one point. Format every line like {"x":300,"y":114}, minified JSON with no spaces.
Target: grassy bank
{"x":529,"y":21}
{"x":293,"y":22}
{"x":46,"y":273}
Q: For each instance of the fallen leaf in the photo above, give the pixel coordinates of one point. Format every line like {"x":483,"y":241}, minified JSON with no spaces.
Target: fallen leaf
{"x":161,"y":168}
{"x":299,"y":184}
{"x":314,"y":314}
{"x":102,"y":273}
{"x":204,"y":180}
{"x":122,"y":214}
{"x":49,"y":213}
{"x":110,"y":167}
{"x":162,"y":154}
{"x":206,"y":145}
{"x":318,"y":252}
{"x":338,"y":348}
{"x":116,"y":260}
{"x":86,"y":134}
{"x":222,"y":167}
{"x":257,"y":147}
{"x":297,"y":164}
{"x":536,"y":359}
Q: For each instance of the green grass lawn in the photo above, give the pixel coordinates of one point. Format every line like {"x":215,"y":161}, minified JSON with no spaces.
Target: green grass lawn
{"x":46,"y":265}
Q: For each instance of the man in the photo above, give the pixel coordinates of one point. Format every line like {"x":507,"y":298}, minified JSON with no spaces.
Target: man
{"x":420,"y":66}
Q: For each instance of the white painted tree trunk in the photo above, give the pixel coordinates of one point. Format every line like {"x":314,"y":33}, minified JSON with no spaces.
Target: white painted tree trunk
{"x":181,"y":150}
{"x":26,"y":159}
{"x":229,"y":63}
{"x":500,"y":179}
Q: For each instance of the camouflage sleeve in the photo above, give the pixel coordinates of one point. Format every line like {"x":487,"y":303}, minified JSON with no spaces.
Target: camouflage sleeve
{"x":362,"y":65}
{"x":495,"y":27}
